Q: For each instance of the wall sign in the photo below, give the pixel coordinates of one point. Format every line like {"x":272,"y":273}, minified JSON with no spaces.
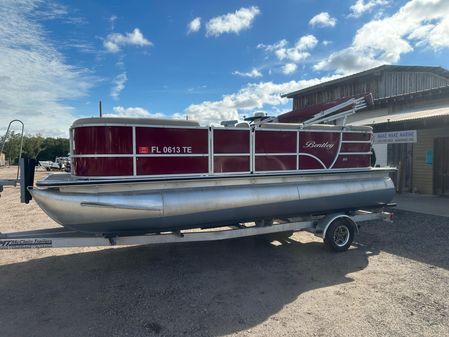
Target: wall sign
{"x":396,"y":137}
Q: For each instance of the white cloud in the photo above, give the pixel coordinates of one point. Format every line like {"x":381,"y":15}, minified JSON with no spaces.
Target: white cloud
{"x":194,"y":25}
{"x":51,"y":10}
{"x":252,"y":97}
{"x":115,"y":41}
{"x":438,"y":35}
{"x":232,"y":22}
{"x":323,"y":19}
{"x":272,"y":47}
{"x":138,"y":112}
{"x":112,"y":20}
{"x":297,"y":53}
{"x":363,"y":6}
{"x":418,"y":23}
{"x":306,"y":42}
{"x":347,"y":61}
{"x":253,"y":73}
{"x":35,"y":79}
{"x":289,"y":68}
{"x":118,"y":85}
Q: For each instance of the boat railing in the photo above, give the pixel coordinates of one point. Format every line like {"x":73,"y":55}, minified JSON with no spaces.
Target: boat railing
{"x":12,"y":182}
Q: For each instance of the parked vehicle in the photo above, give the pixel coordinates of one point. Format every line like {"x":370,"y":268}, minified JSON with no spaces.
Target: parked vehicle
{"x":60,"y":164}
{"x":49,"y":165}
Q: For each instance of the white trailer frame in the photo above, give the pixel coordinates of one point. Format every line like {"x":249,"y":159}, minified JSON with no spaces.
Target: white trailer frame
{"x":64,"y":238}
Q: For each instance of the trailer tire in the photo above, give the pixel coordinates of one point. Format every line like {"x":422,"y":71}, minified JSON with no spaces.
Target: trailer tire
{"x":340,"y":234}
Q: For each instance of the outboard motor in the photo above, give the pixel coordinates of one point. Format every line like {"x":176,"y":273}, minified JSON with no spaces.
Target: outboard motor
{"x":27,"y":168}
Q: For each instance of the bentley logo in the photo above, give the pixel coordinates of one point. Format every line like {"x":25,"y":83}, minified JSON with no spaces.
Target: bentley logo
{"x":311,"y":144}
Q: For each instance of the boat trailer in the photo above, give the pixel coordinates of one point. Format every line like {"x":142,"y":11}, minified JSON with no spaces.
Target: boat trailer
{"x":337,"y":230}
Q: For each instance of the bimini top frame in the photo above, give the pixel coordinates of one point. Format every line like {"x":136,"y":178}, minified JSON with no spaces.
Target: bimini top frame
{"x":332,"y":114}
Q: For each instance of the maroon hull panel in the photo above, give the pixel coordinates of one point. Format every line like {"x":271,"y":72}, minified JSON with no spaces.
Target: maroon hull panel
{"x":171,"y":141}
{"x":275,"y":163}
{"x":182,"y":150}
{"x":103,"y":140}
{"x":350,"y":161}
{"x":309,"y":163}
{"x":355,"y":147}
{"x":171,"y":165}
{"x":108,"y":166}
{"x":275,"y":141}
{"x":231,"y":164}
{"x":323,"y":145}
{"x":231,"y":141}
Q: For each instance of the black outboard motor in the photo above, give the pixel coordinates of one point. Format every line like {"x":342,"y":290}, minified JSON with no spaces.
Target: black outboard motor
{"x":27,"y":168}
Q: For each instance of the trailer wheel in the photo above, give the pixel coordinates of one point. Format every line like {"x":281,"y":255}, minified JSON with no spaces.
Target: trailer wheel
{"x":340,"y":234}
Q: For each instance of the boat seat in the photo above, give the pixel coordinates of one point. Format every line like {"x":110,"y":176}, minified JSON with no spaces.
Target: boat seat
{"x":280,"y":126}
{"x":242,"y":125}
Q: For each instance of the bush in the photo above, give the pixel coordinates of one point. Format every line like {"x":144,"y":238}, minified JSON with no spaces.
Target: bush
{"x":35,"y":147}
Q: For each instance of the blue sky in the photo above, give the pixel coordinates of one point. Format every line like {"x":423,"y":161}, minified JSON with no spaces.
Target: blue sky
{"x":207,"y":59}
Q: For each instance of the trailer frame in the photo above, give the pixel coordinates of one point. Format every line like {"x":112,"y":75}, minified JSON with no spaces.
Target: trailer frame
{"x":65,"y":238}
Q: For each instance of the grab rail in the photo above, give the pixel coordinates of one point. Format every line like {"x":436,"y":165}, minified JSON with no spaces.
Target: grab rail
{"x":21,"y":141}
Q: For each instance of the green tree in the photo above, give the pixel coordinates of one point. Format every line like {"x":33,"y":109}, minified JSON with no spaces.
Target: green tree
{"x":35,"y":147}
{"x":54,"y":147}
{"x":12,"y":147}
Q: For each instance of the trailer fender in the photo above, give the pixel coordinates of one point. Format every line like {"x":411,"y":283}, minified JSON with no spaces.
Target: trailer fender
{"x":324,"y":223}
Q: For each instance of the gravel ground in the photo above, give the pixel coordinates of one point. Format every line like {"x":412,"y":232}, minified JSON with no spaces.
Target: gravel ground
{"x":394,"y":281}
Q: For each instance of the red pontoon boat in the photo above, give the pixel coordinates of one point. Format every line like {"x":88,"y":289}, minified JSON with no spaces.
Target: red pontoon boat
{"x":135,"y":176}
{"x":131,"y":174}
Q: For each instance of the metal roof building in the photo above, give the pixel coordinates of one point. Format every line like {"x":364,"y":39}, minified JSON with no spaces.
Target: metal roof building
{"x":407,"y":100}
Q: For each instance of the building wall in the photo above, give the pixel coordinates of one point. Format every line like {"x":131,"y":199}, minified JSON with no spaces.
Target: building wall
{"x":422,"y":171}
{"x":395,"y":83}
{"x":381,"y":84}
{"x":354,"y":87}
{"x":385,"y":84}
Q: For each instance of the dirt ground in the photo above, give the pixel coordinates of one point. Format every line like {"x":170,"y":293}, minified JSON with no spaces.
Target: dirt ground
{"x":394,"y":281}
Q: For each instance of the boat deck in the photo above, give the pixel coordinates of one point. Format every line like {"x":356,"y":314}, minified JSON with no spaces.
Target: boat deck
{"x":66,"y":179}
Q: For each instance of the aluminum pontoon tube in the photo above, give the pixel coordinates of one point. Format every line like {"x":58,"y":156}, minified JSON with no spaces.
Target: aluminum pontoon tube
{"x":190,"y":207}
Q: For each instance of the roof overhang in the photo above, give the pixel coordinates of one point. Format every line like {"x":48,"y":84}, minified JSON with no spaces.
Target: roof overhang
{"x":421,"y":119}
{"x":370,"y":72}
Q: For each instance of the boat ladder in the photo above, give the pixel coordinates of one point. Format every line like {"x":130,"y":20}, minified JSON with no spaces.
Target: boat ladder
{"x":25,"y":169}
{"x":12,"y":182}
